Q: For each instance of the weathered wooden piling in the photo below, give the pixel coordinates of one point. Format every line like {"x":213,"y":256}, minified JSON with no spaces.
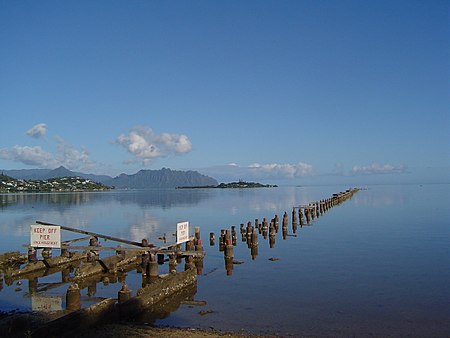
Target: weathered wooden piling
{"x":264,"y":228}
{"x":212,"y":239}
{"x":105,"y":281}
{"x":300,"y":216}
{"x":46,"y":253}
{"x":222,"y":240}
{"x":229,"y":266}
{"x":93,"y":241}
{"x":307,"y":215}
{"x":229,"y":250}
{"x":197,"y":236}
{"x":197,"y":240}
{"x":91,"y":256}
{"x":271,"y":241}
{"x":276,"y":223}
{"x":233,"y":235}
{"x":172,"y":263}
{"x":145,"y":258}
{"x":32,"y":254}
{"x":190,"y":245}
{"x":254,"y":237}
{"x":198,"y":261}
{"x":284,"y":227}
{"x":178,"y":255}
{"x":294,"y":228}
{"x":124,"y":294}
{"x":189,"y":263}
{"x":227,"y":237}
{"x":32,"y":285}
{"x":312,"y":211}
{"x":92,"y":288}
{"x":119,"y":252}
{"x":272,"y":234}
{"x":294,"y":220}
{"x":152,"y":266}
{"x":294,"y":216}
{"x":254,"y":246}
{"x":160,"y":258}
{"x":199,"y":245}
{"x":249,"y":231}
{"x":285,"y":221}
{"x":254,"y":251}
{"x":73,"y":297}
{"x":244,"y":235}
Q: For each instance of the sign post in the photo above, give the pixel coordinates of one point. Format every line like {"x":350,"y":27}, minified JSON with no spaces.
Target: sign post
{"x":45,"y":236}
{"x":182,"y":232}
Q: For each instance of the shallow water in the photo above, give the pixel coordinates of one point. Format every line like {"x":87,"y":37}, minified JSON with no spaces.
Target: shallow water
{"x":376,"y":265}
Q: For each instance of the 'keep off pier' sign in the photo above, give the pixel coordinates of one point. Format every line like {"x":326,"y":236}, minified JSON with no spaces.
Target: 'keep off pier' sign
{"x":45,"y":236}
{"x":182,"y":232}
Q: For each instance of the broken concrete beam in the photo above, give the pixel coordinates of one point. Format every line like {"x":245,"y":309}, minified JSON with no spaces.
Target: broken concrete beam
{"x":157,"y":290}
{"x":108,"y":264}
{"x":12,"y":258}
{"x":163,"y":308}
{"x":45,"y":264}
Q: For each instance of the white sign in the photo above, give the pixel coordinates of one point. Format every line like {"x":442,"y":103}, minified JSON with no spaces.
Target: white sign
{"x":182,"y":232}
{"x":45,"y":236}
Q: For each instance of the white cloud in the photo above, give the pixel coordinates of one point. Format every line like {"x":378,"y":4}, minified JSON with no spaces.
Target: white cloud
{"x":174,"y":142}
{"x":376,"y":168}
{"x":257,"y":171}
{"x":72,"y":158}
{"x":275,"y":170}
{"x":28,"y":155}
{"x":147,"y":146}
{"x":66,"y":155}
{"x":38,"y":130}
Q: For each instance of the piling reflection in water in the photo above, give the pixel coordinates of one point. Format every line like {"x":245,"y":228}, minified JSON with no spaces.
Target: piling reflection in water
{"x":249,"y":234}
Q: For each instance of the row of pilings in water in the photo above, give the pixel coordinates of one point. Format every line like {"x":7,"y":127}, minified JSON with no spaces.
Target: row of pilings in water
{"x":149,"y":260}
{"x":303,"y":215}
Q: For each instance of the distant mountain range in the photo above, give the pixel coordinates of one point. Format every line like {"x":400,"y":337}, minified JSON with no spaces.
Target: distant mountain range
{"x":163,"y":178}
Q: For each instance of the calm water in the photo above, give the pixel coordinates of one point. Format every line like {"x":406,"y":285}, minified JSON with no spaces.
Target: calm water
{"x":376,"y":265}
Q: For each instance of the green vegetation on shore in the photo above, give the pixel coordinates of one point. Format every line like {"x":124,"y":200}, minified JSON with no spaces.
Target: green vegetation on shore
{"x":12,"y":185}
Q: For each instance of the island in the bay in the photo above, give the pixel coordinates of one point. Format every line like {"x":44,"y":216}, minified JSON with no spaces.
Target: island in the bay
{"x":232,"y":185}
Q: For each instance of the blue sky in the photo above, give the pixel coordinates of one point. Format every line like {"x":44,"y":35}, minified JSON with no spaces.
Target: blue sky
{"x":277,"y":91}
